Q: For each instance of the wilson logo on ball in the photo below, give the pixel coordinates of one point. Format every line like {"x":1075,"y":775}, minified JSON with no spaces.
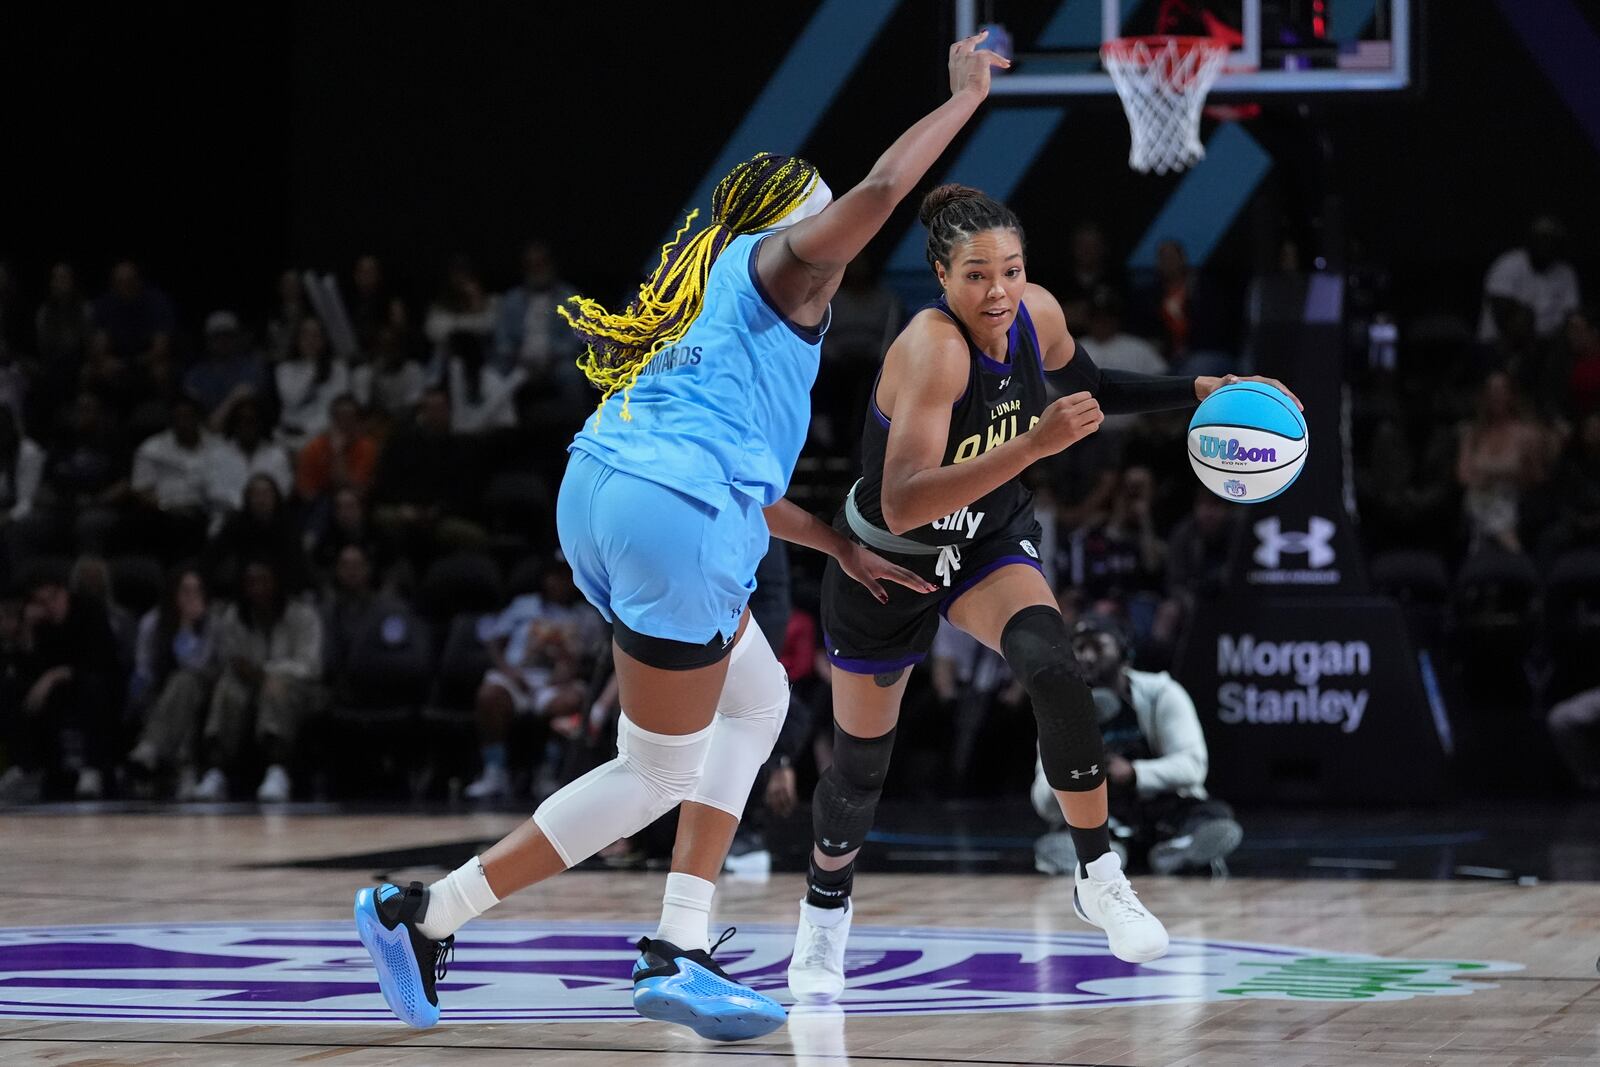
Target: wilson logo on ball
{"x":1229,"y":448}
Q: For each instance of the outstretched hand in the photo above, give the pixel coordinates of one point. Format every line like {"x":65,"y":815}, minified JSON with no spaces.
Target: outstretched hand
{"x":969,"y":65}
{"x":867,"y":567}
{"x":1207,"y":384}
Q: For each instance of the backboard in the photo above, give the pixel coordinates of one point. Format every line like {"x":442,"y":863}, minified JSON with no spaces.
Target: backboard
{"x":1277,"y":46}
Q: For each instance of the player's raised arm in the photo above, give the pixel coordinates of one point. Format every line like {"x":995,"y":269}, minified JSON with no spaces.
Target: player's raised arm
{"x":823,"y":244}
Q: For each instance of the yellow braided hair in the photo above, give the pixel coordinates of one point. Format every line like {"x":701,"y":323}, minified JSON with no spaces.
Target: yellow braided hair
{"x":754,"y":196}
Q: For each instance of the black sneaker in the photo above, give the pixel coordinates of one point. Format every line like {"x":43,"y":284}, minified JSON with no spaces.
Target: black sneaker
{"x":408,"y":963}
{"x":690,"y":988}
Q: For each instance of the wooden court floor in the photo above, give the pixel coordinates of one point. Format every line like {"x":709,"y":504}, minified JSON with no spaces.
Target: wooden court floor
{"x":1285,"y":1009}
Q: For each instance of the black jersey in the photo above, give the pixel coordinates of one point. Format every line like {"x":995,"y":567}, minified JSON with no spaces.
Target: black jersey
{"x":1001,"y":401}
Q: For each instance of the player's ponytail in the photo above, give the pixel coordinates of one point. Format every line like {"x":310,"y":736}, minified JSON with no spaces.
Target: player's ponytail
{"x":953,"y":213}
{"x":754,"y":196}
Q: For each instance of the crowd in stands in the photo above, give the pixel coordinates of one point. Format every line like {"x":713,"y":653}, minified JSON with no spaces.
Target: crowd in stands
{"x":229,"y":546}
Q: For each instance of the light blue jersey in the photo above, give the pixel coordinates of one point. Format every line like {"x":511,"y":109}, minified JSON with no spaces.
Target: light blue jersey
{"x":727,"y":407}
{"x":660,"y":516}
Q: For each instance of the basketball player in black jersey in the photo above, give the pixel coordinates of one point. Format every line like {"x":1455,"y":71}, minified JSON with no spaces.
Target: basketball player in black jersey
{"x":958,"y":412}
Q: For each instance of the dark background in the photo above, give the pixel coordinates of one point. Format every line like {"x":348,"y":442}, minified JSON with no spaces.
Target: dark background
{"x":219,"y":144}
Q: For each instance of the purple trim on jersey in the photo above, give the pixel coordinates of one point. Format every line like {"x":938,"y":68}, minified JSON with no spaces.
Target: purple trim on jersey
{"x":876,"y":411}
{"x":811,"y":335}
{"x":872,"y":399}
{"x":1033,"y":335}
{"x":993,"y":366}
{"x":869,"y":666}
{"x":982,"y":573}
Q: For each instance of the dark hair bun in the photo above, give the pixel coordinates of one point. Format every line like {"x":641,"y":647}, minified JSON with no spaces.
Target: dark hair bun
{"x":943,"y":195}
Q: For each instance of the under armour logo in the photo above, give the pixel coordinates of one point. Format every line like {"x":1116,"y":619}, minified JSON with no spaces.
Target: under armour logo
{"x":1093,"y":770}
{"x":834,"y":844}
{"x":1316,"y":542}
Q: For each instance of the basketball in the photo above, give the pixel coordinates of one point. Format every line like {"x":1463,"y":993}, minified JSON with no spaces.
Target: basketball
{"x":1247,"y":442}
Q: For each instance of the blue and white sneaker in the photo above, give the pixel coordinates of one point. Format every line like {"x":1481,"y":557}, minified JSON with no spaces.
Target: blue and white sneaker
{"x":675,"y":986}
{"x":408,"y":964}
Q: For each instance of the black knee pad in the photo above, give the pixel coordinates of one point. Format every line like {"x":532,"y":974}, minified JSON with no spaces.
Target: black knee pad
{"x":1038,"y":648}
{"x":847,"y":794}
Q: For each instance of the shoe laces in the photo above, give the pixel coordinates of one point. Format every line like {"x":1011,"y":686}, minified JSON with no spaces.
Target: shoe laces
{"x":1122,"y":898}
{"x":819,"y":946}
{"x":729,"y":932}
{"x":443,"y":952}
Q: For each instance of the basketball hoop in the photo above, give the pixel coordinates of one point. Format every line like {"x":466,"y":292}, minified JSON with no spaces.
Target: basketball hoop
{"x":1163,"y":83}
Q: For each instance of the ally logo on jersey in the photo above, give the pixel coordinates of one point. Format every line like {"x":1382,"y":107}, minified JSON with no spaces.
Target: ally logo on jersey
{"x":963,"y":521}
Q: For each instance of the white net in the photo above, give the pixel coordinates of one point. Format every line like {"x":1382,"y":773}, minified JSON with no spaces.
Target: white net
{"x":1163,"y":83}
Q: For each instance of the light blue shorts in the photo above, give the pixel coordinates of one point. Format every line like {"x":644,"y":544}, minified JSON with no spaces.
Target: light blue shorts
{"x":665,"y":564}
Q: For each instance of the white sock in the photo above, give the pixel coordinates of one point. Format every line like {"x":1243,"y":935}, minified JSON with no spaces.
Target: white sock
{"x":827,"y":918}
{"x":462,"y":894}
{"x":686,"y":912}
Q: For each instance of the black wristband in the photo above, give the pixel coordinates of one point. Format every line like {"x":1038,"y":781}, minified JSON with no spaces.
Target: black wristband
{"x":1126,"y":393}
{"x":1122,"y":392}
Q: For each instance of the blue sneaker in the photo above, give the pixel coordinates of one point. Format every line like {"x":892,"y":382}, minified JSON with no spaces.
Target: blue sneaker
{"x":408,"y":964}
{"x":675,"y":986}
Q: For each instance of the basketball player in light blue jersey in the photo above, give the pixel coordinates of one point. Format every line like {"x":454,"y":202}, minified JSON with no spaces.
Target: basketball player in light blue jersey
{"x":669,"y":498}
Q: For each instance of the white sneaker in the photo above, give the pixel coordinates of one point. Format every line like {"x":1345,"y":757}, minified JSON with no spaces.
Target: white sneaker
{"x":492,"y":784}
{"x":1106,"y":899}
{"x":816,"y":970}
{"x":187,"y":783}
{"x":18,"y":784}
{"x":90,"y":785}
{"x":212,"y":788}
{"x":274,"y":787}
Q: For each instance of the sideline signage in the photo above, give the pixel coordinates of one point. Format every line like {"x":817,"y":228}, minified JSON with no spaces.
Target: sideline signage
{"x":1308,"y":686}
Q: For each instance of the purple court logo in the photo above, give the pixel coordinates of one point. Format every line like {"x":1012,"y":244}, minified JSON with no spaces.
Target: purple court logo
{"x":317,"y":972}
{"x":1233,"y":487}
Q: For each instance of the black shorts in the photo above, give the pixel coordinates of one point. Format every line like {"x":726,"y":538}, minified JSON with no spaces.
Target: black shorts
{"x":863,"y":636}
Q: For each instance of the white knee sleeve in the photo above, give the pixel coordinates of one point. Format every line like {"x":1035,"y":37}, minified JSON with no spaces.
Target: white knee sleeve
{"x":652,"y":772}
{"x":755,"y":700}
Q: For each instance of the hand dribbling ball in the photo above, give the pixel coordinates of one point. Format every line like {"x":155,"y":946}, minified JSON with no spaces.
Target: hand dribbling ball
{"x":1247,"y":442}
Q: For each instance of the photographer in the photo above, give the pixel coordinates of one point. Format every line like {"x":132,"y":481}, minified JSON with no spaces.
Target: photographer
{"x":1156,"y":765}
